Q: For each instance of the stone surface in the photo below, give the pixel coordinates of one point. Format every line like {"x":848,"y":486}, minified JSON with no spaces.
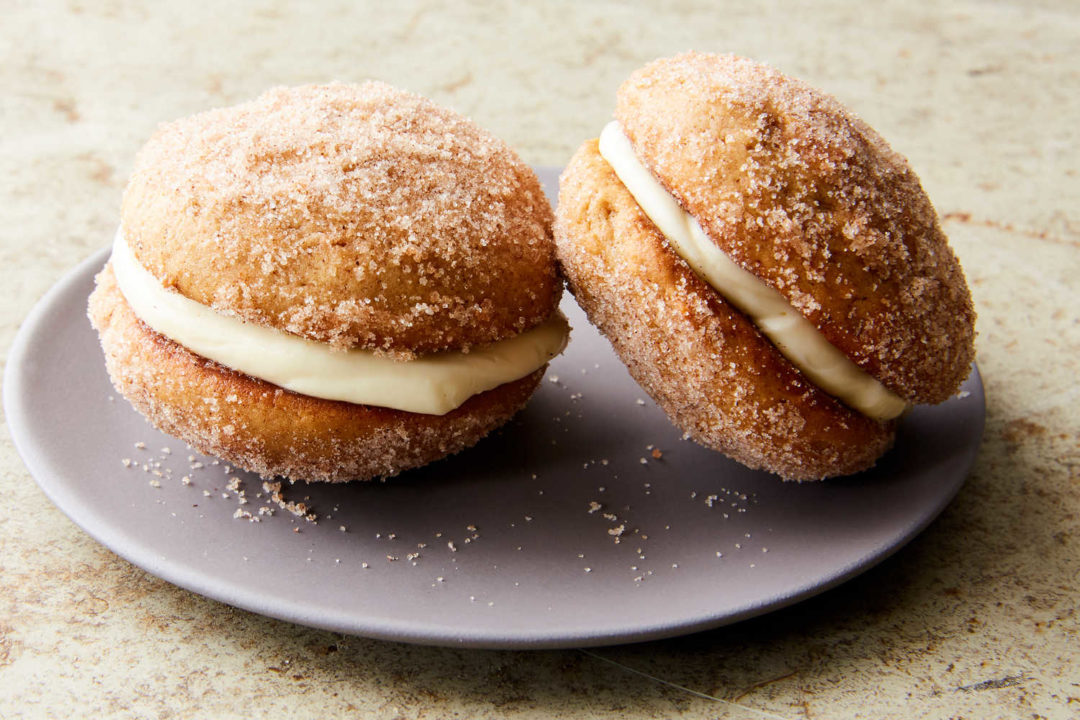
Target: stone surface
{"x":977,"y":618}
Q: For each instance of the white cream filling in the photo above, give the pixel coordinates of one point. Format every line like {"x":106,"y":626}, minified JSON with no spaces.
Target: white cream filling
{"x":795,"y":336}
{"x":431,"y":384}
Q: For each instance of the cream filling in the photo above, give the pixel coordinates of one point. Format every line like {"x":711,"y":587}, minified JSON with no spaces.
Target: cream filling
{"x":431,"y":384}
{"x":795,"y":336}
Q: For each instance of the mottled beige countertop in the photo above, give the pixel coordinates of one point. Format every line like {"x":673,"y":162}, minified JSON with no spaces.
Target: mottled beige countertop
{"x":976,"y":618}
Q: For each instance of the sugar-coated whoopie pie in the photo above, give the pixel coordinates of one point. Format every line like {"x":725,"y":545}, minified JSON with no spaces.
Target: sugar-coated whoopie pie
{"x":771,"y":272}
{"x":330,"y":283}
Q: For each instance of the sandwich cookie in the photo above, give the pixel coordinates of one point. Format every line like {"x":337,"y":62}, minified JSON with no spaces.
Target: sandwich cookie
{"x":770,"y":271}
{"x":330,"y":283}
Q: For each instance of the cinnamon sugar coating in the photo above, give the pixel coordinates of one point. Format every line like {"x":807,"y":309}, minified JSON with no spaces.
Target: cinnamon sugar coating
{"x":262,"y":428}
{"x":810,"y":199}
{"x":356,"y":215}
{"x":702,"y":361}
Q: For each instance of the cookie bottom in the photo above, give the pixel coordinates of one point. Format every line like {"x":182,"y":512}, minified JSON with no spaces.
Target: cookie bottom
{"x":262,"y":428}
{"x":704,"y":363}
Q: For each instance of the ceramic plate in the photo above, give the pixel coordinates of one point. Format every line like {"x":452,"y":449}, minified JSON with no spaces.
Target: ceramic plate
{"x":586,"y":521}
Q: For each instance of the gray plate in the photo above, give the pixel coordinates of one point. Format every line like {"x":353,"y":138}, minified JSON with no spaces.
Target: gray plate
{"x":560,"y":530}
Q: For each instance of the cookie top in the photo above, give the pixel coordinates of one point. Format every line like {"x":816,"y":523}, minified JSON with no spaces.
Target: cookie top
{"x":357,"y":215}
{"x":811,"y":200}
